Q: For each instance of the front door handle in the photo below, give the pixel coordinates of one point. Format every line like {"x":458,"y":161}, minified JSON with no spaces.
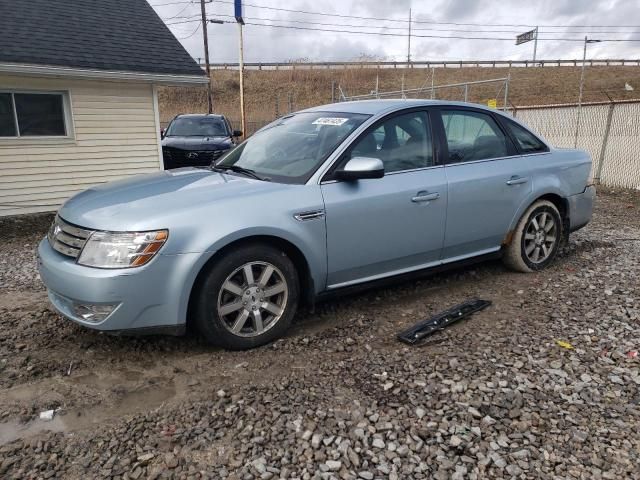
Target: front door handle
{"x":425,"y":197}
{"x":517,"y":180}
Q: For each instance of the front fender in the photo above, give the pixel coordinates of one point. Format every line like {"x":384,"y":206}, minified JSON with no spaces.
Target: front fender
{"x":311,"y":244}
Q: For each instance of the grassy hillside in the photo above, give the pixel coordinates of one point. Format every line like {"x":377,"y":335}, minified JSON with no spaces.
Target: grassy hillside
{"x":267,"y":92}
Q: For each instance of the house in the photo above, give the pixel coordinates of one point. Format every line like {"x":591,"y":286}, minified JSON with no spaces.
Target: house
{"x":78,"y":96}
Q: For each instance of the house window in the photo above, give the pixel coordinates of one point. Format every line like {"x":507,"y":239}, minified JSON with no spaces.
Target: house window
{"x":33,"y":114}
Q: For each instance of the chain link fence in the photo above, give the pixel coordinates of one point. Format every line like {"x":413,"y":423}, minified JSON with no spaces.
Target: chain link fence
{"x":494,"y":90}
{"x":610,"y":132}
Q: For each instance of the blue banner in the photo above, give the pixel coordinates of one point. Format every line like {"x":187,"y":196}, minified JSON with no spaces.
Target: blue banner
{"x":237,"y":4}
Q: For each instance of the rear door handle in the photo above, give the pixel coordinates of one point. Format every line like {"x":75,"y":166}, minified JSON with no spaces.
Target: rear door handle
{"x":517,"y":180}
{"x":425,"y":197}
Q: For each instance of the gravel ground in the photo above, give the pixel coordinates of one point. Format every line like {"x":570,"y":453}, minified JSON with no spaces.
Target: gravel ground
{"x":492,"y":396}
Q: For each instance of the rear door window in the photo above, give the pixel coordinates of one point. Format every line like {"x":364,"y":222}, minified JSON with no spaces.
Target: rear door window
{"x":473,"y":135}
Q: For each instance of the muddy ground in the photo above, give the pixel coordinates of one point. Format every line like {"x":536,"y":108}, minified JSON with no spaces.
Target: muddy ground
{"x":493,"y":396}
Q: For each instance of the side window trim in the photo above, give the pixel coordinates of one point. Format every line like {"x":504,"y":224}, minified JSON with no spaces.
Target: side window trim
{"x":435,"y":147}
{"x":512,"y":150}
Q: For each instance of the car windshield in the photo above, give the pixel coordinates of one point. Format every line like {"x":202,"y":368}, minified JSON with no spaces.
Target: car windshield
{"x":290,"y":149}
{"x":197,"y":127}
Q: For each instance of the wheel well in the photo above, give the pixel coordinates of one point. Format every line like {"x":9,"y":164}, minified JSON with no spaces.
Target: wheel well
{"x":561,"y":204}
{"x":293,"y":252}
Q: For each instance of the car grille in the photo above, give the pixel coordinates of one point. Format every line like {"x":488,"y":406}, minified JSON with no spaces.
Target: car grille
{"x":178,"y":156}
{"x":67,"y":239}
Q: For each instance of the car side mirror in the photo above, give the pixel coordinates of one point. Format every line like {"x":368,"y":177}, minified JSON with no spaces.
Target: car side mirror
{"x":237,"y":133}
{"x":359,"y":168}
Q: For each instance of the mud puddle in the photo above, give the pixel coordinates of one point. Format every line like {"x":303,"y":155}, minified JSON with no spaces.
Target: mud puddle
{"x":130,"y":403}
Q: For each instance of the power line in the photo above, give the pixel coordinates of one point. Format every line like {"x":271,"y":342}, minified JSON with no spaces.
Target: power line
{"x":177,"y":15}
{"x":455,"y":37}
{"x":385,"y":34}
{"x":181,"y":22}
{"x":308,"y":22}
{"x":192,"y":33}
{"x":424,"y":21}
{"x":178,"y":2}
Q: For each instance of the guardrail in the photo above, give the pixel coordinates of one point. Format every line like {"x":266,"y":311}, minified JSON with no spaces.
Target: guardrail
{"x":425,"y":64}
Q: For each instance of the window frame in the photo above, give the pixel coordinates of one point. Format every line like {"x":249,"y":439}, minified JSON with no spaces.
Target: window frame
{"x":506,"y":123}
{"x":512,"y":150}
{"x":328,"y":176}
{"x":66,"y":115}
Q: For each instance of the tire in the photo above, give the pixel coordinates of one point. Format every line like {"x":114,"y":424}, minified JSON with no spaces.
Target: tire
{"x":532,"y":235}
{"x":237,"y":309}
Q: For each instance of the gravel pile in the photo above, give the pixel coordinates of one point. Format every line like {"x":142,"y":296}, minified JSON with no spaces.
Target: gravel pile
{"x":545,"y":383}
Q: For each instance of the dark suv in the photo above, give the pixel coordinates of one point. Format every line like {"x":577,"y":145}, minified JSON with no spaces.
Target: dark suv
{"x":195,"y":140}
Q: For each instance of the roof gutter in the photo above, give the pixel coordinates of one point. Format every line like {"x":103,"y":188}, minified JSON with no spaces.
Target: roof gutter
{"x":91,"y":74}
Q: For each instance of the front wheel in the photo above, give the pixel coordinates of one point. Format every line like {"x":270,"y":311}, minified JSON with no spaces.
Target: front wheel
{"x":248,"y":297}
{"x":536,"y":239}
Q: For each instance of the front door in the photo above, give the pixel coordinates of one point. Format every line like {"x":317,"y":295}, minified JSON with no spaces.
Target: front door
{"x":391,"y":225}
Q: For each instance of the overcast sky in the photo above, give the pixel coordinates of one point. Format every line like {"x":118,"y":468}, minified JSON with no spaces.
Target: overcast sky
{"x":277,"y":44}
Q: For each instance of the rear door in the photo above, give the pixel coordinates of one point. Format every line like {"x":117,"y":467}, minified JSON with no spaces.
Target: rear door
{"x":390,"y":225}
{"x":487,"y":182}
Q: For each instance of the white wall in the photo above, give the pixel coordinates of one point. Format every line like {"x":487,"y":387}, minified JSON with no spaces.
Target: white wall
{"x":114,"y":134}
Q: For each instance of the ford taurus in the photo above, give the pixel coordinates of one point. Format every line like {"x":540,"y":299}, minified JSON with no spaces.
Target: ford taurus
{"x":319,"y":200}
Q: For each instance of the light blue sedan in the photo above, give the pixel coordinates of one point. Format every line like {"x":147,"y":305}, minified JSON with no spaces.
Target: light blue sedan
{"x":320,"y":200}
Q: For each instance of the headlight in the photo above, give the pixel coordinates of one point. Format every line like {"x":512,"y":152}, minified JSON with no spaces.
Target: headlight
{"x":121,"y":250}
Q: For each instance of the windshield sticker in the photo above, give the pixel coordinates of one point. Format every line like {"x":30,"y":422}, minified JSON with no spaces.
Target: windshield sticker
{"x":330,"y":121}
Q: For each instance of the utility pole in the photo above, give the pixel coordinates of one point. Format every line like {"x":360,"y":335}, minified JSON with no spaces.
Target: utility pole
{"x":535,"y":47}
{"x":433,"y":74}
{"x":237,"y":13}
{"x":584,"y":61}
{"x":206,"y":56}
{"x":409,"y":42}
{"x":243,"y":118}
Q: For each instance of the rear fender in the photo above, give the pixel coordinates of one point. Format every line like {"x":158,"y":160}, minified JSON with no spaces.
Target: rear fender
{"x":527,"y":202}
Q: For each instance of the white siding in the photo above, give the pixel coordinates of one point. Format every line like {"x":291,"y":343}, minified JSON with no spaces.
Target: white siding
{"x":115,"y":135}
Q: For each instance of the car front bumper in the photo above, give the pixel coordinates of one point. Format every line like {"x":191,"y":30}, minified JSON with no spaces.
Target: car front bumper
{"x":147,"y":299}
{"x":581,"y":208}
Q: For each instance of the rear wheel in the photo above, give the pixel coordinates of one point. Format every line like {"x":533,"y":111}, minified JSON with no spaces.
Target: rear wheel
{"x":248,"y":297}
{"x":536,"y":239}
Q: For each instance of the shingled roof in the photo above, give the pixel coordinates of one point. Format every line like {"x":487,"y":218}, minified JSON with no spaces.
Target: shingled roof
{"x":114,"y":35}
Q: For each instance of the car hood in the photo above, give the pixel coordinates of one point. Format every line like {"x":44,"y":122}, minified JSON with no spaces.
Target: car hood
{"x":197,"y":143}
{"x":147,"y":202}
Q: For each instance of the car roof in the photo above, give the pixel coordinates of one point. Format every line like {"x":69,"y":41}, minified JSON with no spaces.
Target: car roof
{"x":375,"y":107}
{"x":200,"y":115}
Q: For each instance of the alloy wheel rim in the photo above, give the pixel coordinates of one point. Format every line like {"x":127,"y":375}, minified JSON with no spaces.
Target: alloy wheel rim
{"x":540,"y":237}
{"x":252,"y":299}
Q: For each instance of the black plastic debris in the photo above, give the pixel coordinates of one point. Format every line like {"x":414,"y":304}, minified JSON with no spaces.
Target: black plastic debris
{"x":441,"y":320}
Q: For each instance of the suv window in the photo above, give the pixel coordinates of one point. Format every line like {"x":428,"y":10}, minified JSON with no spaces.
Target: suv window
{"x":527,"y":141}
{"x":473,"y":136}
{"x":197,"y":127}
{"x":402,"y":142}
